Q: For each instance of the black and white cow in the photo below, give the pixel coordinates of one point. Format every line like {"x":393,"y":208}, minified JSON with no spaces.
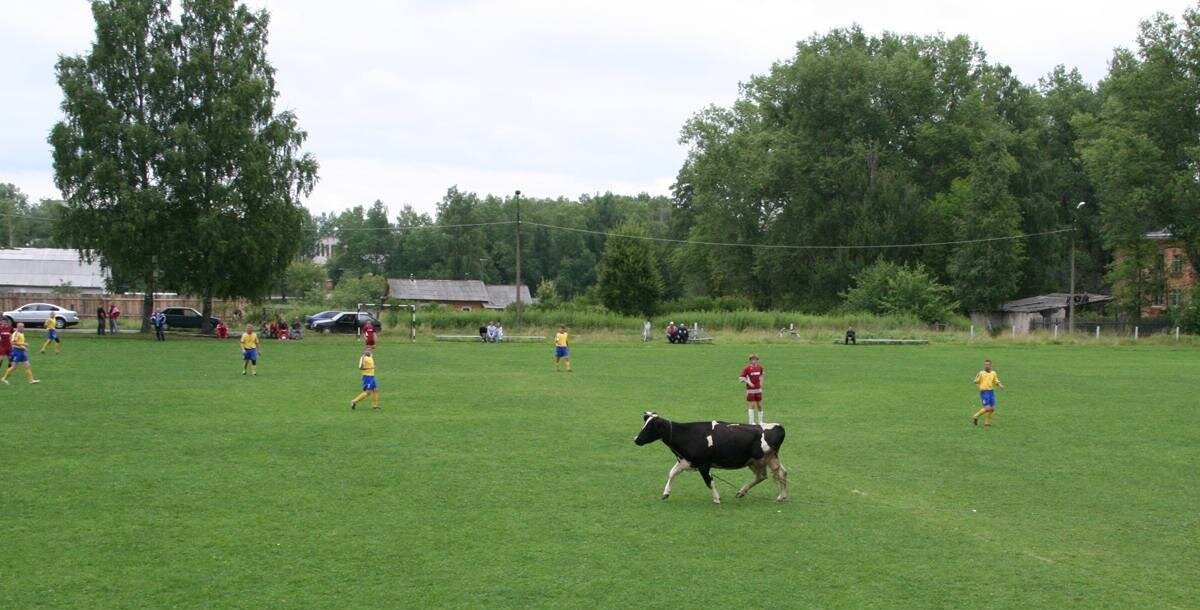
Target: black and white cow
{"x":706,"y":445}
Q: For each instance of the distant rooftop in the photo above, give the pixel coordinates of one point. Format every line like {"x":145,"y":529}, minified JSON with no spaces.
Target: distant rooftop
{"x":1052,"y":301}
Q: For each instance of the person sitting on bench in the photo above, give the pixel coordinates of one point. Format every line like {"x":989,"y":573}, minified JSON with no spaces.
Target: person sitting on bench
{"x":850,"y":337}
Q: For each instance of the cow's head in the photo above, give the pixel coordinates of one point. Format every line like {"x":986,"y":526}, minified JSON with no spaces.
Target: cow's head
{"x":650,"y":428}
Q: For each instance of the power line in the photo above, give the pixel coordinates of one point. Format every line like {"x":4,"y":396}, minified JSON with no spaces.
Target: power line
{"x":803,"y":247}
{"x":689,"y":242}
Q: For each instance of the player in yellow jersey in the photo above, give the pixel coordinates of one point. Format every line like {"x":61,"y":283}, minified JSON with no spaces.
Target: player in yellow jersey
{"x":987,"y":381}
{"x":52,"y":335}
{"x":20,"y":353}
{"x":366,"y":365}
{"x":561,"y":349}
{"x":250,"y":346}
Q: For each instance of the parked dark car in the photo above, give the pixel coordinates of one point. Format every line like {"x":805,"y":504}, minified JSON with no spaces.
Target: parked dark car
{"x":186,"y":317}
{"x":324,"y":315}
{"x":346,"y":322}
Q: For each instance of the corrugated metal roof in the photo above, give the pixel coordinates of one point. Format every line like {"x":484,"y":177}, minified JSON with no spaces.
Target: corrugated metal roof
{"x":1056,"y":300}
{"x":47,"y":268}
{"x":437,"y":290}
{"x":502,"y":295}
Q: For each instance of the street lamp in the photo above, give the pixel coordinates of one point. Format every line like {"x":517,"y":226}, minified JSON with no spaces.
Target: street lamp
{"x":1071,"y":301}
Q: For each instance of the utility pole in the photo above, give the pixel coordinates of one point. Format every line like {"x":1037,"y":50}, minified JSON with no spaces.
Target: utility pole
{"x":517,"y":198}
{"x":1071,"y":301}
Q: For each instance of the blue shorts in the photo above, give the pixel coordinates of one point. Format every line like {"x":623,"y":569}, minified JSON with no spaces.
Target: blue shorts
{"x":369,"y":384}
{"x":250,"y":354}
{"x":561,"y":352}
{"x":52,"y":335}
{"x":18,"y":355}
{"x":988,"y":398}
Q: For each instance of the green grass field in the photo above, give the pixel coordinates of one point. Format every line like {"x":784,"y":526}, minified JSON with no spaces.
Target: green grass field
{"x":145,"y":475}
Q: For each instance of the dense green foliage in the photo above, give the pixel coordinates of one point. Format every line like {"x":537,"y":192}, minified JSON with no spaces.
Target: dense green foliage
{"x":176,"y":168}
{"x":489,"y":481}
{"x":628,"y":281}
{"x":24,"y":224}
{"x":1140,"y":150}
{"x":887,"y":288}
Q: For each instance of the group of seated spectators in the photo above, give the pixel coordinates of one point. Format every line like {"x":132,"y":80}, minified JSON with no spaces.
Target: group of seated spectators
{"x":677,"y":334}
{"x":279,"y":329}
{"x":493,"y":332}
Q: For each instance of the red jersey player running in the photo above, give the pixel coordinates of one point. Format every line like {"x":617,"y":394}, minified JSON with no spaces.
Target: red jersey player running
{"x":5,"y":343}
{"x":752,"y":376}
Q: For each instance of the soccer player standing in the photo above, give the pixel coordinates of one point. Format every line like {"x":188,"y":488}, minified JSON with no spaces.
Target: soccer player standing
{"x":52,"y":335}
{"x":366,"y":366}
{"x":752,"y":376}
{"x":561,"y":349}
{"x":250,"y":345}
{"x":987,"y":381}
{"x":20,"y":353}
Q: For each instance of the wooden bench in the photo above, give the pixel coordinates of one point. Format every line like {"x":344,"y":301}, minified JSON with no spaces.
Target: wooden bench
{"x":507,"y":338}
{"x":885,"y":342}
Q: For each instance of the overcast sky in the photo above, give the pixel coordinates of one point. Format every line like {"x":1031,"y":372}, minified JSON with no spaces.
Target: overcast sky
{"x":402,"y":100}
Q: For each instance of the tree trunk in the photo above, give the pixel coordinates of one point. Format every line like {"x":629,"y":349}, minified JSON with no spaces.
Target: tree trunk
{"x":206,"y":314}
{"x":147,"y":307}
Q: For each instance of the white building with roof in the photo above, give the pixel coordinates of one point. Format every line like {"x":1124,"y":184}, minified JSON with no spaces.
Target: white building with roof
{"x":41,"y":270}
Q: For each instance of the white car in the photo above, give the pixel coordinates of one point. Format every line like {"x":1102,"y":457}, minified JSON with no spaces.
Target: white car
{"x":35,"y":315}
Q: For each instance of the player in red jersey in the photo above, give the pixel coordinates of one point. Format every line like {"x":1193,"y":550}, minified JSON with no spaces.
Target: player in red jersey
{"x":752,"y":376}
{"x":369,"y":334}
{"x":5,"y":342}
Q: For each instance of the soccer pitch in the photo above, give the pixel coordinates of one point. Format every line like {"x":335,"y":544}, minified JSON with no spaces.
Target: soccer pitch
{"x":153,"y":475}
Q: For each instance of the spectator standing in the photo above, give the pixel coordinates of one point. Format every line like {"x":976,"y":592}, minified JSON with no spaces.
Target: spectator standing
{"x":499,"y":332}
{"x":646,"y":331}
{"x":101,"y":319}
{"x":114,"y":314}
{"x":159,"y":321}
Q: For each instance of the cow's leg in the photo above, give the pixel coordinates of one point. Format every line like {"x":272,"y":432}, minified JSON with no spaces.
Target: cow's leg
{"x":780,"y":476}
{"x":708,"y":480}
{"x":759,"y":467}
{"x":679,"y":467}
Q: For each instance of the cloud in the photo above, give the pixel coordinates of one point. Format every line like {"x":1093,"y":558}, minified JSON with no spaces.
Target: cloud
{"x":402,"y":99}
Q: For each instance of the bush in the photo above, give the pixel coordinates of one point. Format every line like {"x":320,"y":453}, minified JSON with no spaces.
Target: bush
{"x":890,"y":289}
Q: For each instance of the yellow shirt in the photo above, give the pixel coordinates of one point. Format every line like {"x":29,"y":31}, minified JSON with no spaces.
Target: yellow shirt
{"x":987,"y":380}
{"x":560,"y":339}
{"x":366,"y":364}
{"x":50,"y":323}
{"x":18,"y":340}
{"x":249,"y":340}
